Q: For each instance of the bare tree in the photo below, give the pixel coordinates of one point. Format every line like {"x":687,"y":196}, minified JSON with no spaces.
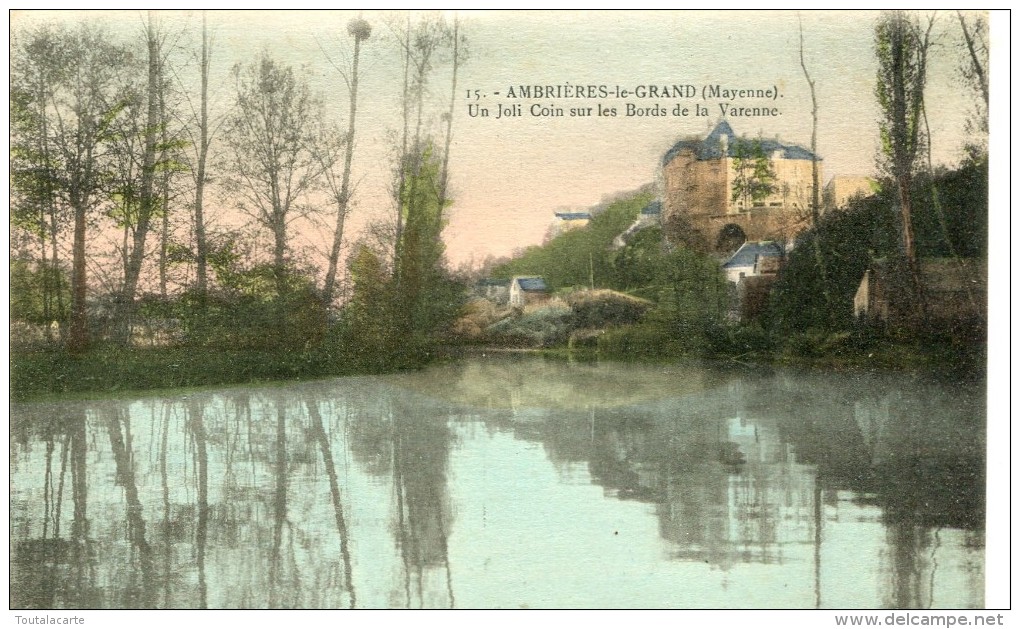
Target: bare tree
{"x":977,"y":50}
{"x":33,"y":165}
{"x":458,"y":56}
{"x":340,"y":190}
{"x":148,"y":201}
{"x":204,"y":141}
{"x":815,"y":175}
{"x":974,"y":71}
{"x":273,"y":159}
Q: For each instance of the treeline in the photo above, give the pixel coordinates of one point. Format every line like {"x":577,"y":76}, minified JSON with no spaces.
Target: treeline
{"x":145,"y":213}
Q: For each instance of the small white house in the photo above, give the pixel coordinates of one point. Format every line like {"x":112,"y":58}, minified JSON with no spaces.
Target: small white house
{"x":526,"y":290}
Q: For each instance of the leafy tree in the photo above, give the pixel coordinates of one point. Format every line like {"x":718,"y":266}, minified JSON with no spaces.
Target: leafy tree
{"x":395,"y":319}
{"x":33,"y":163}
{"x":367,"y":331}
{"x":901,"y":46}
{"x":146,"y":205}
{"x":637,"y":264}
{"x":30,"y":289}
{"x":802,"y":298}
{"x":421,"y":43}
{"x":423,"y":285}
{"x":75,"y":109}
{"x":755,"y":177}
{"x":866,"y":231}
{"x":691,"y":298}
{"x":951,"y":212}
{"x":578,"y":257}
{"x":247,"y":310}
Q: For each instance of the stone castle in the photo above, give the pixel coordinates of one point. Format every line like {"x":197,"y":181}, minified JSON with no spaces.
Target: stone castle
{"x":722,"y":190}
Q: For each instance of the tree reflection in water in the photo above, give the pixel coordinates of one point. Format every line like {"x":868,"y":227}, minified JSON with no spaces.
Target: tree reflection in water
{"x":863,"y":490}
{"x":421,"y":447}
{"x":319,"y":433}
{"x":53,"y":570}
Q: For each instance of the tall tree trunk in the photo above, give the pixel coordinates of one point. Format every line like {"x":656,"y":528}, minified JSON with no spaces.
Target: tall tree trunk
{"x":402,"y":164}
{"x":147,"y":197}
{"x":280,"y":253}
{"x":164,"y":193}
{"x":444,"y":174}
{"x":816,"y":183}
{"x":903,"y":159}
{"x":78,"y":334}
{"x":44,"y":268}
{"x":343,"y":203}
{"x":51,"y":273}
{"x":976,"y":64}
{"x":203,"y":151}
{"x":55,"y":262}
{"x":903,"y":48}
{"x":408,"y":261}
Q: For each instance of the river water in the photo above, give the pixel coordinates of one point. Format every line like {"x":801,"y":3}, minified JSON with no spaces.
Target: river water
{"x":508,"y":481}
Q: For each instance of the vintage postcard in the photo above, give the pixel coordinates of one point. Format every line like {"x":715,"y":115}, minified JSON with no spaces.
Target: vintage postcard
{"x":500,"y":310}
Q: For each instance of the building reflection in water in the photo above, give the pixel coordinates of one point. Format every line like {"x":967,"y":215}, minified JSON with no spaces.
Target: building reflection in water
{"x":865,"y":491}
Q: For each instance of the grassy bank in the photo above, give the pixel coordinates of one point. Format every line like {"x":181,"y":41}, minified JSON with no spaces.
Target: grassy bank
{"x":37,"y":373}
{"x":41,"y":372}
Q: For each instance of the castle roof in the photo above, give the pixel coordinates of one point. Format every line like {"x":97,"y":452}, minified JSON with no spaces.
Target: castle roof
{"x":711,"y":147}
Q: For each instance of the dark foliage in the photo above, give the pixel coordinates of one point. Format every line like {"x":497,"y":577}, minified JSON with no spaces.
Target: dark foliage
{"x":869,"y":230}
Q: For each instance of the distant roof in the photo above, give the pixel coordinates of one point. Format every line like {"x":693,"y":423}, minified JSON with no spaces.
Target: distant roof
{"x":574,"y":216}
{"x":652,"y":209}
{"x":529,"y":284}
{"x":711,"y":146}
{"x":748,"y":253}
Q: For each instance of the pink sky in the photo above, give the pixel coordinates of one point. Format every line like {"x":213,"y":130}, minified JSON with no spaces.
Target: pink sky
{"x":508,"y":176}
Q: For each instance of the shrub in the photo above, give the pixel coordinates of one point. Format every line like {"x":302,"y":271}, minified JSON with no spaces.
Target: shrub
{"x":736,"y":340}
{"x":475,"y":317}
{"x":603,"y":308}
{"x":642,"y":340}
{"x":537,"y":325}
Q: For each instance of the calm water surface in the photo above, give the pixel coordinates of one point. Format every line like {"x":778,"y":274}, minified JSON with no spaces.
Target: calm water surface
{"x":508,"y":482}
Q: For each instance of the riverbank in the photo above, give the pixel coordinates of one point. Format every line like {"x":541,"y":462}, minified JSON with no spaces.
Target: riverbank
{"x":890,"y":358}
{"x":40,"y":373}
{"x":43,"y":372}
